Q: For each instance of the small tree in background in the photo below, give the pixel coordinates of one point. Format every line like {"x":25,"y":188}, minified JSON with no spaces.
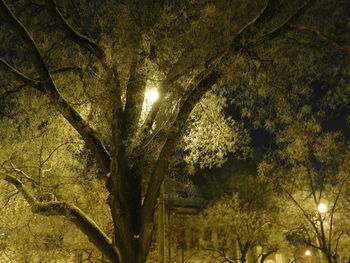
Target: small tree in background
{"x":245,"y":224}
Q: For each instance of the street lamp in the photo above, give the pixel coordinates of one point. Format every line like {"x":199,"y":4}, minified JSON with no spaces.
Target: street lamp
{"x":322,"y":208}
{"x":152,"y":95}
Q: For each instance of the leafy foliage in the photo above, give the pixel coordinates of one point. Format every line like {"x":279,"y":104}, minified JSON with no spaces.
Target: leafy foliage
{"x":211,"y":135}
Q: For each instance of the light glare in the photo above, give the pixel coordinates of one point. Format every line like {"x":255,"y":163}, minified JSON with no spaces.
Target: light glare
{"x":322,"y":208}
{"x":152,"y":95}
{"x":307,"y":253}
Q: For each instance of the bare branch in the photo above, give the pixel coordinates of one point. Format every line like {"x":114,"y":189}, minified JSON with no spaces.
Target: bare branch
{"x":314,"y":246}
{"x":121,"y":181}
{"x":71,"y":213}
{"x":80,"y":39}
{"x":337,"y":240}
{"x":312,"y":186}
{"x":159,"y":136}
{"x":117,"y":110}
{"x":117,"y":183}
{"x":151,"y":116}
{"x":321,"y":35}
{"x":72,"y":116}
{"x":55,"y":150}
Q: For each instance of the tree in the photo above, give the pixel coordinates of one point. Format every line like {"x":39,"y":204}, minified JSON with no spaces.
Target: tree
{"x":35,"y":237}
{"x":82,"y":69}
{"x":314,"y":174}
{"x":245,"y":222}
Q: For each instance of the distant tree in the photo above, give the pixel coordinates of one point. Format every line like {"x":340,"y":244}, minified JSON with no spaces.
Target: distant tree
{"x":313,"y":174}
{"x":245,"y":223}
{"x":79,"y":70}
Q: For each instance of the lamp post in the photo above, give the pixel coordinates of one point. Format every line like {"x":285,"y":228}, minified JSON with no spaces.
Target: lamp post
{"x":322,"y":209}
{"x":161,"y":226}
{"x":307,"y":255}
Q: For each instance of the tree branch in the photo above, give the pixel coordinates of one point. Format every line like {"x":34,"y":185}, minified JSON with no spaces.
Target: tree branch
{"x":337,"y":241}
{"x":72,"y":213}
{"x":334,"y":207}
{"x":12,"y":91}
{"x":253,"y":26}
{"x":321,"y":35}
{"x":20,"y":76}
{"x":313,"y":225}
{"x":72,"y":116}
{"x":135,"y":94}
{"x":266,"y":14}
{"x":285,"y":25}
{"x":66,"y":69}
{"x":268,"y":253}
{"x":223,"y":255}
{"x":80,"y":39}
{"x":30,"y":81}
{"x":24,"y":174}
{"x":258,"y":22}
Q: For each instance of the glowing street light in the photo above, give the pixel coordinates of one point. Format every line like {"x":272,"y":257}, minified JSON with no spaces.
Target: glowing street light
{"x":307,"y":253}
{"x":322,"y":208}
{"x":152,"y":95}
